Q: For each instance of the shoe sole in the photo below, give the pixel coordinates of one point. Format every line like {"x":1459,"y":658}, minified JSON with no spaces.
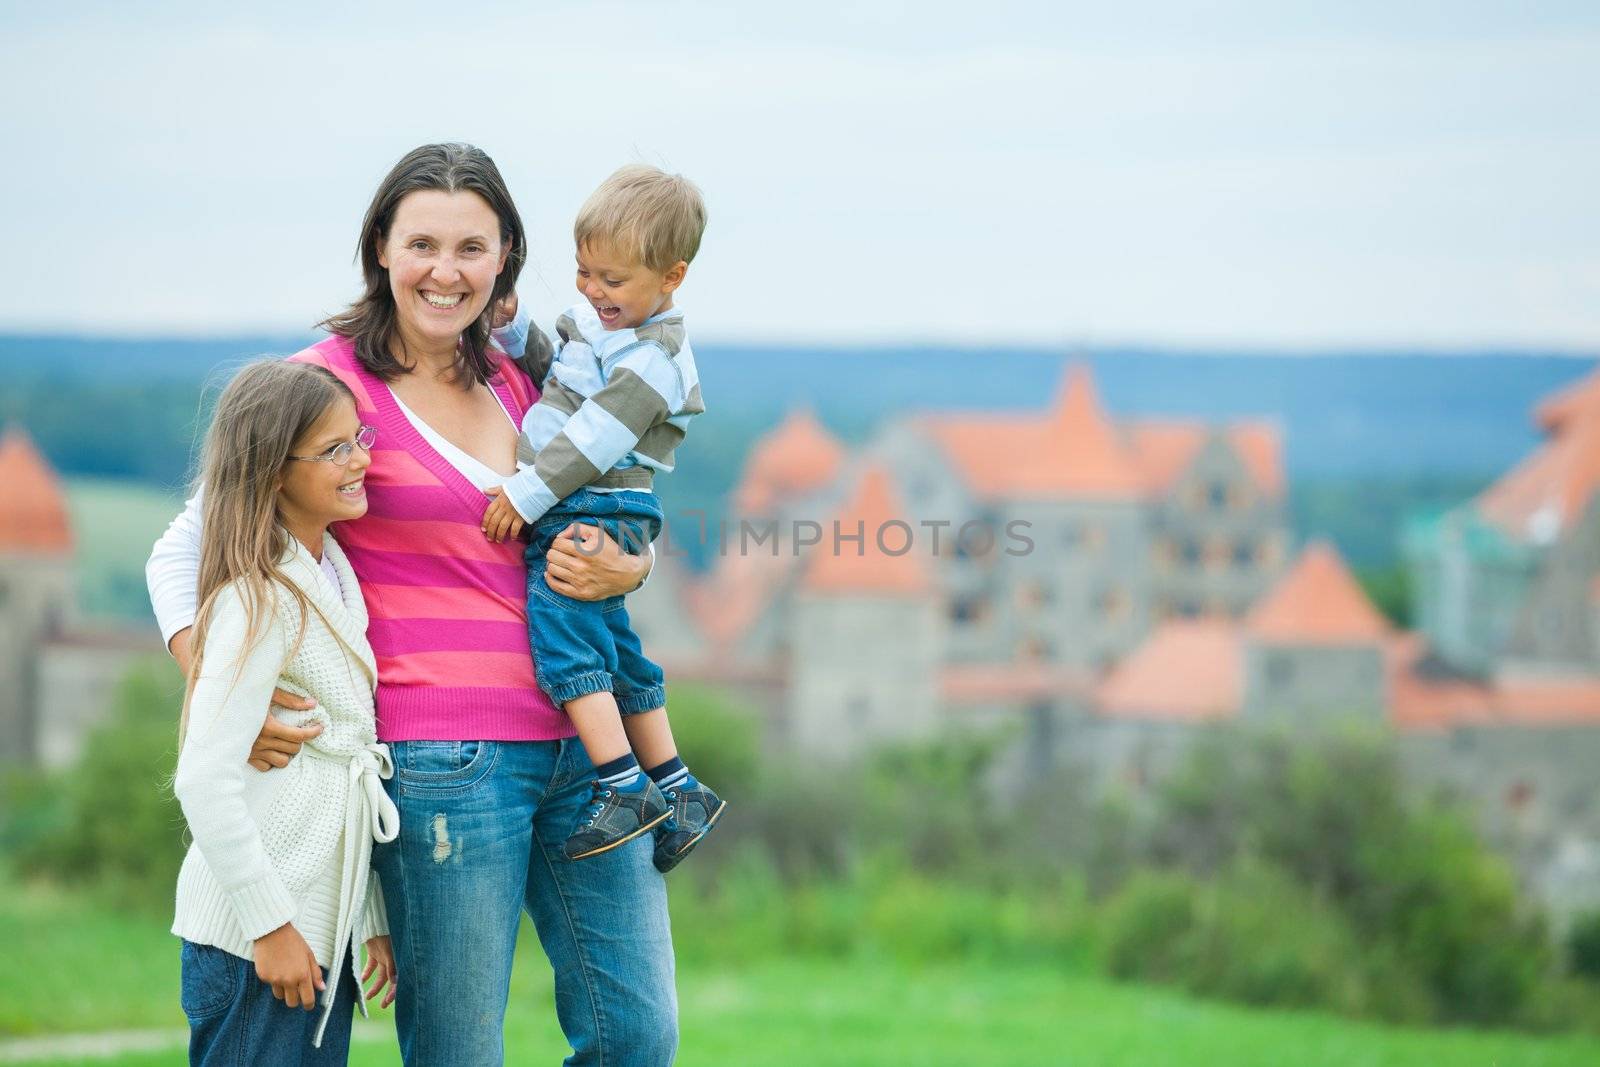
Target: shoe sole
{"x":677,"y":857}
{"x":646,"y":828}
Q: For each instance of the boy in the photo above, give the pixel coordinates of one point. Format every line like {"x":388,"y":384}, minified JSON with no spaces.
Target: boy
{"x":621,"y":389}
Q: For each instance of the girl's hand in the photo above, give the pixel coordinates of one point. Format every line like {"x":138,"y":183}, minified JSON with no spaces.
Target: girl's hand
{"x":285,"y":962}
{"x":584,"y":563}
{"x":500,"y":520}
{"x":380,"y":961}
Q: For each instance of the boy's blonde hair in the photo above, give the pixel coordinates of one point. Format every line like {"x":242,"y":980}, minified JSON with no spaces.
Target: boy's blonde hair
{"x":644,"y":212}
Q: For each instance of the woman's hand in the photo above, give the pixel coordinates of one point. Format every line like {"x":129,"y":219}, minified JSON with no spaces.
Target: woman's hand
{"x":278,"y":742}
{"x":584,"y":563}
{"x":380,"y":961}
{"x":286,"y":963}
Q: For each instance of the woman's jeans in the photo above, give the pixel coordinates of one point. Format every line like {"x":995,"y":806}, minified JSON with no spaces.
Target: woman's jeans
{"x":234,"y":1018}
{"x":481,"y":829}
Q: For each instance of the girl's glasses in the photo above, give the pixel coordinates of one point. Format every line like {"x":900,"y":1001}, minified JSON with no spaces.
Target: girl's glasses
{"x":340,"y":453}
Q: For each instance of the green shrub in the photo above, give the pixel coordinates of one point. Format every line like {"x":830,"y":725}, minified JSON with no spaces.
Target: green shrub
{"x":111,"y":822}
{"x":1583,"y":946}
{"x":1146,"y":927}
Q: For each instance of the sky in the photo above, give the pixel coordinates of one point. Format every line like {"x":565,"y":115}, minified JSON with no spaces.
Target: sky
{"x":1278,"y":175}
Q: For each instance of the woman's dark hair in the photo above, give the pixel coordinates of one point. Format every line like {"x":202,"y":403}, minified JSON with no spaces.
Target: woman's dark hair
{"x":371,"y":322}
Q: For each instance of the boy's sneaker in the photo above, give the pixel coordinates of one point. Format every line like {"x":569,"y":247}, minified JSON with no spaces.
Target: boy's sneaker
{"x":695,"y":810}
{"x":615,"y":816}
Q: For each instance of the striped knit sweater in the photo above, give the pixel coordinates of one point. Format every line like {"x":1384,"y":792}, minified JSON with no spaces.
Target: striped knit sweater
{"x":447,"y":608}
{"x":615,"y":407}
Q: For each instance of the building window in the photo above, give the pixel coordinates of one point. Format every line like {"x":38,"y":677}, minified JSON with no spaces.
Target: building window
{"x":1244,"y":554}
{"x":1280,"y":671}
{"x":1034,"y":649}
{"x":1217,"y":496}
{"x":1113,"y":604}
{"x":1191,"y":551}
{"x":968,"y":609}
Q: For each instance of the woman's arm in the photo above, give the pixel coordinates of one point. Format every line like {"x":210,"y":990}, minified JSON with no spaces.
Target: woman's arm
{"x":235,"y":680}
{"x":172,"y":575}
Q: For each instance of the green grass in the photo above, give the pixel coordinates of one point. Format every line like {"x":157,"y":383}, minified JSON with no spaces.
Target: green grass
{"x":71,"y":967}
{"x":115,"y":524}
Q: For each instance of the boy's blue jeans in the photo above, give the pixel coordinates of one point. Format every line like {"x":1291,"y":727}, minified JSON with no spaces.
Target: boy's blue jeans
{"x":588,"y":646}
{"x":481,"y":829}
{"x":234,"y":1018}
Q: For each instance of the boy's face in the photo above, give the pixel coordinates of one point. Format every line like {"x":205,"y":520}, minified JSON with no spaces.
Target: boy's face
{"x":624,"y":292}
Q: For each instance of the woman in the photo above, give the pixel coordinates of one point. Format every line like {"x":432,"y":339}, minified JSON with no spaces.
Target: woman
{"x":489,"y":775}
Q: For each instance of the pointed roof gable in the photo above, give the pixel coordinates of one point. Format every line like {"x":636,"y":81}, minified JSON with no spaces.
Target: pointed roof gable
{"x":1189,"y":670}
{"x":1071,"y":450}
{"x":867,"y":568}
{"x":1317,"y":603}
{"x":797,"y":457}
{"x":33,"y":508}
{"x":1546,"y":493}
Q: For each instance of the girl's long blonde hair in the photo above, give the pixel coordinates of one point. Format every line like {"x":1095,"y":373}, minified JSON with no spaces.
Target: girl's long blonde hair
{"x":263,"y":411}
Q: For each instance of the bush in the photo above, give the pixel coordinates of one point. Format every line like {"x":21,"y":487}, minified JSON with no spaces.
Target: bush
{"x":1146,"y":928}
{"x":112,"y":822}
{"x":1407,"y":877}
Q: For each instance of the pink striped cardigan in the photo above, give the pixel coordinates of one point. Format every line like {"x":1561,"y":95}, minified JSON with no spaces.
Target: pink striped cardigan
{"x":447,"y":615}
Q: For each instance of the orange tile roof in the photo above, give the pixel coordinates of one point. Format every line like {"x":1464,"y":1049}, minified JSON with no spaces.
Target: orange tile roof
{"x":867,"y":568}
{"x":1317,"y":603}
{"x":1544,"y":494}
{"x":1011,"y":683}
{"x":796,"y":458}
{"x":1071,"y":450}
{"x":1165,"y":449}
{"x":1189,"y":670}
{"x":1260,"y":445}
{"x":1418,"y":703}
{"x":33,"y":508}
{"x":1581,"y":397}
{"x":1548,"y":701}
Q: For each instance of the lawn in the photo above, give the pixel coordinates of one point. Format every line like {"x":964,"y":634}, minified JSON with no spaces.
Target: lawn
{"x":73,"y":967}
{"x":115,"y":523}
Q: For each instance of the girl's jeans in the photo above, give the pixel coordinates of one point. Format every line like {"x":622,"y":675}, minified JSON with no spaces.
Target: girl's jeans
{"x":234,"y":1018}
{"x":481,"y":829}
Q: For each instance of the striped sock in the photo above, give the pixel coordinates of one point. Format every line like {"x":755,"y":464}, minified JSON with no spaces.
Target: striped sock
{"x":618,"y":773}
{"x":670,"y":774}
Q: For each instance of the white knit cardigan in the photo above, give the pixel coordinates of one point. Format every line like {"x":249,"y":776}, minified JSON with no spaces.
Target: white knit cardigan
{"x":291,"y":845}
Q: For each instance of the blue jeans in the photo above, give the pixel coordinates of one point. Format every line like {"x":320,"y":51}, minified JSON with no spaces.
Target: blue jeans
{"x":481,"y":829}
{"x":588,"y":646}
{"x":234,"y":1018}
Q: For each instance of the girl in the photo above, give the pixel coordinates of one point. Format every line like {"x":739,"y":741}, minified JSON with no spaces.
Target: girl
{"x":278,"y":874}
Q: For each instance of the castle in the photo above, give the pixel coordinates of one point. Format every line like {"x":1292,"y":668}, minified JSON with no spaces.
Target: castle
{"x":1104,"y":588}
{"x":1136,"y":581}
{"x":60,"y":671}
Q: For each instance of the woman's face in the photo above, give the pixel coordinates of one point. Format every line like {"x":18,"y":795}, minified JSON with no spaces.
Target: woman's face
{"x":443,"y":253}
{"x":315,"y":492}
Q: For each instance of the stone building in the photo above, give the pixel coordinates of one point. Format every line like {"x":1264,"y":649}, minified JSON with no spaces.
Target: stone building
{"x":1159,"y":594}
{"x":60,"y":672}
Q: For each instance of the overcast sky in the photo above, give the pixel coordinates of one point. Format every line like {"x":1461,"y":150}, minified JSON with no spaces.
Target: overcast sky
{"x":1256,"y":174}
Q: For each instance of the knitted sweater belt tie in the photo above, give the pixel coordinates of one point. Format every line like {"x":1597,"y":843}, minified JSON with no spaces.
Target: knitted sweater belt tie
{"x":368,"y":811}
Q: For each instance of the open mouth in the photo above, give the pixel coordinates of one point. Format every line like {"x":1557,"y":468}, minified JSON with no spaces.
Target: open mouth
{"x":609,"y":313}
{"x":442,"y":301}
{"x":353,"y":489}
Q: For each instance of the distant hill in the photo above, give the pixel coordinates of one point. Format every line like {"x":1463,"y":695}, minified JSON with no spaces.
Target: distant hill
{"x":1390,"y":414}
